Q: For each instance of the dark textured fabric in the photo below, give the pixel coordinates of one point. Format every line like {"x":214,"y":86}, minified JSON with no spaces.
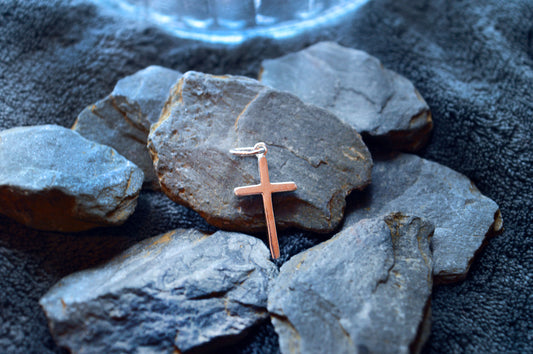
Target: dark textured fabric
{"x":472,"y":62}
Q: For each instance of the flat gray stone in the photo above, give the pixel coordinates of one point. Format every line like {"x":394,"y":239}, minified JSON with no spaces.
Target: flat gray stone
{"x":366,"y":290}
{"x":358,"y":89}
{"x":207,"y":115}
{"x":170,"y":293}
{"x":51,"y":178}
{"x":122,"y":120}
{"x":462,"y":216}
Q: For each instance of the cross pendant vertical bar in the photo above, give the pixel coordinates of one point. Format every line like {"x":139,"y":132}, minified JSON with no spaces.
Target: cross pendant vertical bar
{"x":265,"y":188}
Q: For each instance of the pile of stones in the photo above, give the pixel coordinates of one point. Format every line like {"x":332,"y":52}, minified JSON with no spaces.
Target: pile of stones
{"x":410,"y":223}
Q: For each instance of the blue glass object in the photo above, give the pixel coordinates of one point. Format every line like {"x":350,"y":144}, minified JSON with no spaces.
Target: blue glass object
{"x":234,"y":21}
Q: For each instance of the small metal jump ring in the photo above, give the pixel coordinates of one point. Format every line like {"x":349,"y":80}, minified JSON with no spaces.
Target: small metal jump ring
{"x":259,"y":148}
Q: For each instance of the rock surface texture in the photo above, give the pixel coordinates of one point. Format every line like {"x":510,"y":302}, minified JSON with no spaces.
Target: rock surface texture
{"x":462,"y":216}
{"x":206,"y":116}
{"x":174,"y":292}
{"x":366,"y":290}
{"x":122,"y":120}
{"x":51,"y":178}
{"x":358,"y":89}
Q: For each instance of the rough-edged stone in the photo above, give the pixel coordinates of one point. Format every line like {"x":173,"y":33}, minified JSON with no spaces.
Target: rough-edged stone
{"x":122,"y":120}
{"x":462,"y":216}
{"x":366,"y":290}
{"x":206,"y":116}
{"x":51,"y":178}
{"x":358,"y":89}
{"x":171,"y":293}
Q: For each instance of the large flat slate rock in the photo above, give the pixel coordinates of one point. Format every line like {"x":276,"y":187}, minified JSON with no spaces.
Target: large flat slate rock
{"x":53,"y":179}
{"x":122,"y":120}
{"x":207,"y":115}
{"x":463,"y":217}
{"x":358,"y":89}
{"x":175,"y":292}
{"x":367,"y":290}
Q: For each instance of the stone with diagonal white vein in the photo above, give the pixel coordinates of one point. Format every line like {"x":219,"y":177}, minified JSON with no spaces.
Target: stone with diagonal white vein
{"x":208,"y":115}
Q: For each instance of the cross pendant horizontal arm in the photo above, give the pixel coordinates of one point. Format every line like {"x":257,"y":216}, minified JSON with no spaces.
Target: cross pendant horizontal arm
{"x":258,"y":189}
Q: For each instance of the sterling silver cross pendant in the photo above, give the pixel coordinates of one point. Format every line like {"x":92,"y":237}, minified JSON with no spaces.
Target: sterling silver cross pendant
{"x":265,"y":189}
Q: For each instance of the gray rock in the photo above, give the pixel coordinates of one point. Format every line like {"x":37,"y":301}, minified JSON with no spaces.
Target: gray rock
{"x":366,"y":290}
{"x":171,"y":293}
{"x":122,"y":120}
{"x":208,"y":115}
{"x":51,"y":178}
{"x":358,"y":89}
{"x":462,"y":216}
